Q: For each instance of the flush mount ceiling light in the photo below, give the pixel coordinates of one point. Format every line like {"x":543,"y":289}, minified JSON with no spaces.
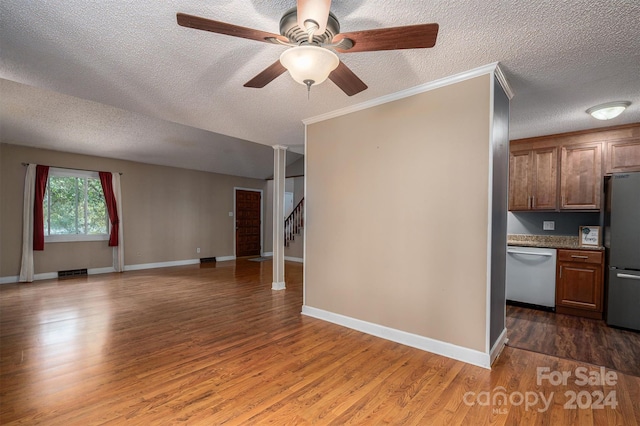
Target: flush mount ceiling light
{"x":609,"y":110}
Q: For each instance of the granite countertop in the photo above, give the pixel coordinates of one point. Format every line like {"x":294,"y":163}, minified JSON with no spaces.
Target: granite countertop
{"x":548,"y":241}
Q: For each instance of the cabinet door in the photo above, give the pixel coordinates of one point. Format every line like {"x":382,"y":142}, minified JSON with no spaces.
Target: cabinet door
{"x":545,"y":184}
{"x":581,"y":177}
{"x":623,"y":156}
{"x":520,"y":167}
{"x":579,"y":286}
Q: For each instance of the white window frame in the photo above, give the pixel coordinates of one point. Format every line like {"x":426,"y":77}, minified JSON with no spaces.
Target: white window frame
{"x":67,"y":238}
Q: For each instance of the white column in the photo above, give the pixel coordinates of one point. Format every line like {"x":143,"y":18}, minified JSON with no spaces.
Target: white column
{"x":279,"y":165}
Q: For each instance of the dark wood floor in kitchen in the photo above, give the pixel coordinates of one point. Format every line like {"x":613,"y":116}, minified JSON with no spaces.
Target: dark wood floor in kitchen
{"x":575,"y":338}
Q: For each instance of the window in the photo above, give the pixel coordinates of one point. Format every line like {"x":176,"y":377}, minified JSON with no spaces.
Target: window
{"x":74,"y":207}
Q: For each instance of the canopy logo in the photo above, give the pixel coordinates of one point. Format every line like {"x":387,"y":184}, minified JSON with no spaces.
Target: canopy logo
{"x":500,"y":400}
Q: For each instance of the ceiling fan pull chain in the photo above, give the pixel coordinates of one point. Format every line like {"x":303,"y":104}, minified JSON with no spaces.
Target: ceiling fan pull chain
{"x":309,"y":83}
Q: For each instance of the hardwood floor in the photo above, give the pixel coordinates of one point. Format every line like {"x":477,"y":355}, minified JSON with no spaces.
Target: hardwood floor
{"x":215,"y":345}
{"x":581,"y":339}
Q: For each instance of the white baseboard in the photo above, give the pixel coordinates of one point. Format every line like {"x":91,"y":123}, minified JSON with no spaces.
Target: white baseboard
{"x":10,"y":279}
{"x":109,"y":269}
{"x":278,"y":286}
{"x":96,"y":271}
{"x":497,"y":348}
{"x":161,"y":264}
{"x":46,"y":276}
{"x":53,"y":275}
{"x":470,"y":356}
{"x":289,"y":258}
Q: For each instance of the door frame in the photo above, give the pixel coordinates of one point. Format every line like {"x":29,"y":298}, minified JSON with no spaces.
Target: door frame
{"x":233,"y":222}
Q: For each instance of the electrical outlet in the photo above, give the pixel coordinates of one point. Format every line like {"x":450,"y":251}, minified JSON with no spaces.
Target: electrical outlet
{"x":198,"y":250}
{"x":230,"y":214}
{"x":548,"y":225}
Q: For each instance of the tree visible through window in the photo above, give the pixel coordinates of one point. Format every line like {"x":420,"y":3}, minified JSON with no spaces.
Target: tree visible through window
{"x":74,"y":205}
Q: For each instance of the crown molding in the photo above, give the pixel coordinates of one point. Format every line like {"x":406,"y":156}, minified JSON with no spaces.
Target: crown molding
{"x":503,"y":82}
{"x":492,"y":68}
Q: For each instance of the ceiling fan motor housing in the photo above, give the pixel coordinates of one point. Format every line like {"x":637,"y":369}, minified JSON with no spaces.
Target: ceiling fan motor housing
{"x":289,"y":28}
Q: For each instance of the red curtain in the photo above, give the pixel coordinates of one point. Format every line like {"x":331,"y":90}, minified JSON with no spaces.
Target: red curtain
{"x":112,"y":207}
{"x":42,"y":173}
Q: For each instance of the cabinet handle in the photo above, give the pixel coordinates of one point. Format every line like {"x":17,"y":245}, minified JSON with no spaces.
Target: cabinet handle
{"x":629,"y":276}
{"x":579,"y":257}
{"x":530,"y":253}
{"x":533,"y":201}
{"x":560,"y":271}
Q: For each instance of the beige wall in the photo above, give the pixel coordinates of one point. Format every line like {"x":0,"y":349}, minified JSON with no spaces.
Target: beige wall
{"x":296,"y":168}
{"x":397,"y":202}
{"x":168,"y":213}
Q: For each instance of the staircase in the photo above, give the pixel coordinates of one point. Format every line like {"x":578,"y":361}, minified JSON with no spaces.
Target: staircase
{"x":293,"y":223}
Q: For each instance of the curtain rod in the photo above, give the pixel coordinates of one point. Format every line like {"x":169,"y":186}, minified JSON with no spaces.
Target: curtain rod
{"x":71,"y":168}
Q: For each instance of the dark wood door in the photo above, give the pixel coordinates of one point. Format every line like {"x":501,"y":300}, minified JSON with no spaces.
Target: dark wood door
{"x":247,"y":223}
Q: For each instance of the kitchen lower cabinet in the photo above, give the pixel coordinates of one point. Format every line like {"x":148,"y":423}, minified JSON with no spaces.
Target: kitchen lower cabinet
{"x":579,"y":283}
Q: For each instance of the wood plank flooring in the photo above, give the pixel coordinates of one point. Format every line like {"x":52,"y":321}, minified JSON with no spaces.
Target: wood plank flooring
{"x":581,"y":339}
{"x":215,"y":345}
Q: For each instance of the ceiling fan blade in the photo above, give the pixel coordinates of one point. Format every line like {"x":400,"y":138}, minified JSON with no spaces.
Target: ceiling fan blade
{"x":315,"y":10}
{"x":267,"y":76}
{"x":345,"y":79}
{"x":199,"y":23}
{"x":408,"y":37}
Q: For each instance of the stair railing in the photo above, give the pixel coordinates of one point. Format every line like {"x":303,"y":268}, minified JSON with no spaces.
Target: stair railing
{"x":293,"y":223}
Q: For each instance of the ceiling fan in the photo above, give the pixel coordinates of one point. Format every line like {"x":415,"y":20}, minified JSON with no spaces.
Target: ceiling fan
{"x":313,"y":34}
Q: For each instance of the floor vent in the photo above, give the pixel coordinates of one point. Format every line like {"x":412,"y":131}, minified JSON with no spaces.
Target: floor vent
{"x":207,"y":259}
{"x":72,"y":273}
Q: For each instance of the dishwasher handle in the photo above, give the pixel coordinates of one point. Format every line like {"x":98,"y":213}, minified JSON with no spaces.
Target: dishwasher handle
{"x":628,"y":276}
{"x":530,"y":253}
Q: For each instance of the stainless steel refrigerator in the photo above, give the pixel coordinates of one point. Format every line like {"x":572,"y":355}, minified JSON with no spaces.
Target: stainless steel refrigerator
{"x":622,"y":241}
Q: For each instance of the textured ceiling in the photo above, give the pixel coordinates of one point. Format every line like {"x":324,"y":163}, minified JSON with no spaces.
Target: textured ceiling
{"x":122,"y":79}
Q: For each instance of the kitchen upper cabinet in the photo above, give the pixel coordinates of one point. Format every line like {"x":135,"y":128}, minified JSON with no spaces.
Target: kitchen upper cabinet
{"x":581,"y":177}
{"x":564,"y":172}
{"x":579,"y":283}
{"x":533,"y":179}
{"x":622,"y":156}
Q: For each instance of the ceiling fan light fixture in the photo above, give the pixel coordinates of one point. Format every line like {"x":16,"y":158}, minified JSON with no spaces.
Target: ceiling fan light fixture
{"x":609,"y":110}
{"x":309,"y":63}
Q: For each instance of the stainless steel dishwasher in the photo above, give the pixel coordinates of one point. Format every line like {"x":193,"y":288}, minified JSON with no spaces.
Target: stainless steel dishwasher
{"x":531,"y":276}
